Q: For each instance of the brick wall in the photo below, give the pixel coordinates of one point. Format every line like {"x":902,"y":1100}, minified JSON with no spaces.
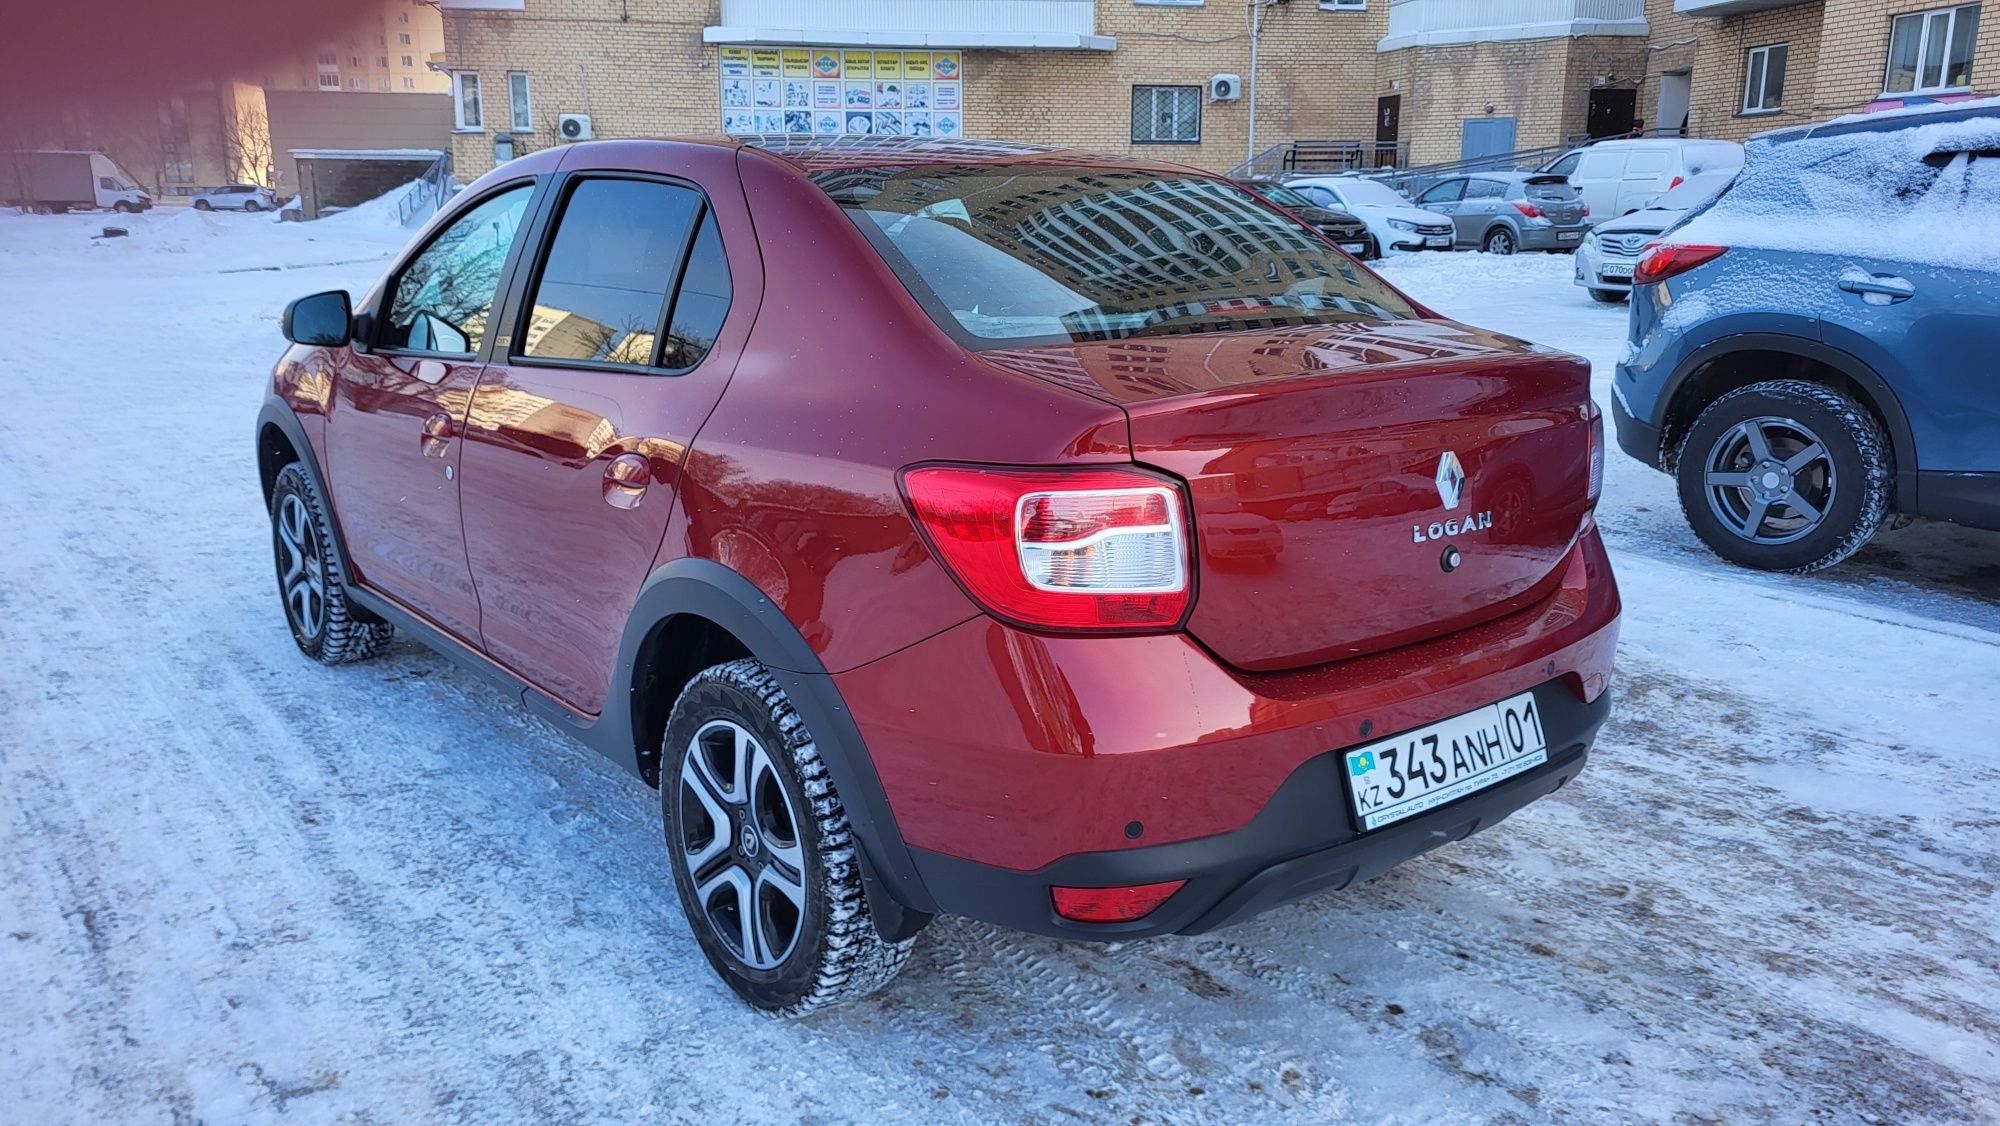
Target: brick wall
{"x":1543,"y":84}
{"x":1856,"y":55}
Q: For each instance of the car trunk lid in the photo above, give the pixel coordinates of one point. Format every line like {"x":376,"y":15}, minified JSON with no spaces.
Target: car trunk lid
{"x":1354,"y":486}
{"x":1556,"y":197}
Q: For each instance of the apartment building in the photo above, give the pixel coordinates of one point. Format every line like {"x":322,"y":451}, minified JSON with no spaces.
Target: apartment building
{"x":1210,"y":83}
{"x":390,"y":48}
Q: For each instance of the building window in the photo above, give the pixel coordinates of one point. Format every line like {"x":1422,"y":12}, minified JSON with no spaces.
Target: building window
{"x":409,"y":83}
{"x":403,"y":39}
{"x":382,"y":61}
{"x":328,"y":58}
{"x":1764,"y":78}
{"x":408,"y":61}
{"x":402,"y":17}
{"x":354,"y":84}
{"x":1931,"y":52}
{"x":465,"y":98}
{"x":354,"y":62}
{"x":329,"y":80}
{"x":381,"y":84}
{"x":1163,"y":115}
{"x":520,"y":114}
{"x":1343,"y":5}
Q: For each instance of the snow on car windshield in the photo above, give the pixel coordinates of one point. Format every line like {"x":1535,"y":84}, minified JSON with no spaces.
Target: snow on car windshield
{"x":1371,"y":193}
{"x":1927,"y":193}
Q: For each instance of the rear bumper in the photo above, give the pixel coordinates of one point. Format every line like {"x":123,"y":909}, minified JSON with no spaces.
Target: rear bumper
{"x":1638,"y":439}
{"x":1016,"y":761}
{"x":1551,"y":238}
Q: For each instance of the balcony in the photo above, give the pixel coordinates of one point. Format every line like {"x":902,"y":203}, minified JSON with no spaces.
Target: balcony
{"x":1729,"y":7}
{"x":1438,"y":23}
{"x":1060,"y":25}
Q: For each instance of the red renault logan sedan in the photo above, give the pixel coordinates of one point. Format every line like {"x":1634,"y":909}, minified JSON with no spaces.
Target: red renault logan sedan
{"x":1075,"y":543}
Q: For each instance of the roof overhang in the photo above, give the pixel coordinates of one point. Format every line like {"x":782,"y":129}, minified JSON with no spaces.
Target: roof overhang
{"x":870,"y":37}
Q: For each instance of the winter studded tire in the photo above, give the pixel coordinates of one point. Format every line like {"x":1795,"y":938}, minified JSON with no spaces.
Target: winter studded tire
{"x":1608,"y":296}
{"x":1785,"y":476}
{"x":762,"y":853}
{"x":312,"y":583}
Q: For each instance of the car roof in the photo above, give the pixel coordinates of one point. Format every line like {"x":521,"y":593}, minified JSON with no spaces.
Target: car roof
{"x":1909,"y":117}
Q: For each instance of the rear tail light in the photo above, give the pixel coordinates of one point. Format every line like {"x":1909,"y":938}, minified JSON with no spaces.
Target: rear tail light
{"x":1527,"y":209}
{"x":1661,"y":262}
{"x":1677,"y":183}
{"x":1596,"y":454}
{"x":1112,"y":905}
{"x":1586,"y":211}
{"x":1086,"y":549}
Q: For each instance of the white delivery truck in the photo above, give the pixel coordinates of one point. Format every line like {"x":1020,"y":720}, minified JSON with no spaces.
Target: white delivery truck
{"x":62,"y":180}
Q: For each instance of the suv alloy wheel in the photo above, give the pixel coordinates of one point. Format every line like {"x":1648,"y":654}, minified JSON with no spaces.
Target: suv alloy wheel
{"x":312,"y":581}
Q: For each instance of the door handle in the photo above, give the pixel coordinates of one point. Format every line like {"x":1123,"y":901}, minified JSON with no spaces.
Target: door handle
{"x":437,"y":435}
{"x":625,"y":480}
{"x":1877,"y":289}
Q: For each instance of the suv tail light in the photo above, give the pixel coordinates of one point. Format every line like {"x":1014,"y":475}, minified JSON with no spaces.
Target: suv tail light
{"x":1528,"y":209}
{"x":1661,"y":262}
{"x":1089,"y":549}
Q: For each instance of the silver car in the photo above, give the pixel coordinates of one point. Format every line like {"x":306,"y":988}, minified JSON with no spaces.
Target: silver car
{"x":1502,"y":212}
{"x":237,"y":197}
{"x":1605,"y":260}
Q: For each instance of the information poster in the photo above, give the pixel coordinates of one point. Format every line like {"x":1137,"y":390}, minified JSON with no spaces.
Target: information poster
{"x":832,"y":92}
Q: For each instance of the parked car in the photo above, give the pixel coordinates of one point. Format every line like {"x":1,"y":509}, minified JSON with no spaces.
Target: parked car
{"x":1502,"y":212}
{"x":56,"y":180}
{"x":885,"y":570}
{"x":1812,"y":351}
{"x":237,"y":197}
{"x":1393,"y":221}
{"x":1619,"y":177}
{"x":1610,"y":250}
{"x":1346,"y":231}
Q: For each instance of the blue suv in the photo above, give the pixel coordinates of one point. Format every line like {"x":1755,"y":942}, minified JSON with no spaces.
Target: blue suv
{"x":1819,"y":346}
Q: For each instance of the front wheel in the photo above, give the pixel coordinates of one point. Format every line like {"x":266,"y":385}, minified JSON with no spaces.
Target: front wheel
{"x":1499,"y":240}
{"x":203,"y":205}
{"x":1784,"y":476}
{"x":311,"y":580}
{"x":1608,"y":296}
{"x":767,"y":865}
{"x":123,"y":208}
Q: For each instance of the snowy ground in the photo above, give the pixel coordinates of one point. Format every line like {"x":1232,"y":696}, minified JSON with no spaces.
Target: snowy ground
{"x":234,"y":886}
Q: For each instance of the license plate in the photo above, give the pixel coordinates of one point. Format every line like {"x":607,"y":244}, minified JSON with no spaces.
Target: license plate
{"x":1438,"y":240}
{"x":1423,"y":769}
{"x":1614,"y":270}
{"x":1568,"y":236}
{"x":1354,"y":247}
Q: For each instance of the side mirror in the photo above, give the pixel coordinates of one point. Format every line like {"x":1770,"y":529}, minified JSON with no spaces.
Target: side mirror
{"x":322,"y":320}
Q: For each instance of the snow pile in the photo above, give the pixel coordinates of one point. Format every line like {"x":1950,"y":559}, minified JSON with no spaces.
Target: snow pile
{"x":1920,"y":192}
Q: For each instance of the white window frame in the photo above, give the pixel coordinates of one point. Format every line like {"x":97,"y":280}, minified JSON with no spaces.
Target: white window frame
{"x":1751,"y":57}
{"x":1170,"y":3}
{"x":1343,"y":5}
{"x":458,"y":86}
{"x":1924,"y":20}
{"x":520,"y":113}
{"x":1196,"y":92}
{"x":329,"y":80}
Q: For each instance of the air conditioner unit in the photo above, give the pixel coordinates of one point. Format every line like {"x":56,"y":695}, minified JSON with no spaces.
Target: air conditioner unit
{"x":1224,"y":88}
{"x":574,"y":126}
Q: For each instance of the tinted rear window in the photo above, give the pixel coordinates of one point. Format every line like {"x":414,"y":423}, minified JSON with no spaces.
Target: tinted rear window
{"x":1009,"y":256}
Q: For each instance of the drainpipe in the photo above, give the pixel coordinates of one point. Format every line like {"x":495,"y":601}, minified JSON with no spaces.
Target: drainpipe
{"x":1256,"y":28}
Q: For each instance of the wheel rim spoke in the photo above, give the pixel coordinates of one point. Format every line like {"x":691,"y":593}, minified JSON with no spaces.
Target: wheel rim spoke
{"x":1757,"y":440}
{"x":1797,"y":462}
{"x":1804,"y":508}
{"x":1728,"y":480}
{"x":1754,"y":519}
{"x":739,"y":838}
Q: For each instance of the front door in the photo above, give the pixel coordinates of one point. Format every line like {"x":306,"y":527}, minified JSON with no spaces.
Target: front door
{"x":579,"y":429}
{"x":1486,"y":136}
{"x":1388,"y":129}
{"x":1443,"y":197}
{"x":399,"y":406}
{"x":1612,"y":112}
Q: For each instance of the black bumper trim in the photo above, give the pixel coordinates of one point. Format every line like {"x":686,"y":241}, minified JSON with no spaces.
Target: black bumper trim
{"x":1301,"y":843}
{"x":1636,"y":438}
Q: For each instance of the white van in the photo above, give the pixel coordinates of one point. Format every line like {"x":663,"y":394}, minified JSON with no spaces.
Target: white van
{"x":1619,"y":177}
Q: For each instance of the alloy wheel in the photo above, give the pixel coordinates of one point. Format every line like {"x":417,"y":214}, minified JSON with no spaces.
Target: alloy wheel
{"x":1770,"y":480}
{"x":301,"y":567}
{"x":740,"y":841}
{"x":1500,"y":242}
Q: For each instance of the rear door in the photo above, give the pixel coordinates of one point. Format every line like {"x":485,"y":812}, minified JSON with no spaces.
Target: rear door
{"x":399,"y":406}
{"x":579,"y":427}
{"x":1483,"y":201}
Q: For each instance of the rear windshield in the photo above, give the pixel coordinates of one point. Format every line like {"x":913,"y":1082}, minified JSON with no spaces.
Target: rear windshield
{"x":1004,"y":256}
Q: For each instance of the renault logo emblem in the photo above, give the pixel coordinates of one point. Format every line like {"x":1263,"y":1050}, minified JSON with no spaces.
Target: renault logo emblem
{"x":1450,"y":480}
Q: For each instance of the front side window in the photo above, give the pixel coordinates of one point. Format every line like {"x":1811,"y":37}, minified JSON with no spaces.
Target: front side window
{"x":443,"y":298}
{"x":603,"y":291}
{"x":1003,"y":256}
{"x":520,"y":114}
{"x":1931,"y":52}
{"x":1451,"y":191}
{"x":1764,"y":78}
{"x":1166,"y":115}
{"x":465,"y":97}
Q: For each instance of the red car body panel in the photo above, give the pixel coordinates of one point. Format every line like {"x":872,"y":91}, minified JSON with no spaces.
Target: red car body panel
{"x":1321,"y":613}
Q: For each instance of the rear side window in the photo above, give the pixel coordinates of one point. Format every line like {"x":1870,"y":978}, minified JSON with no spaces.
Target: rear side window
{"x":1485,"y":189}
{"x":1566,"y":165}
{"x":701,"y":302}
{"x":444,"y":296}
{"x":1003,"y":256}
{"x":602,"y":293}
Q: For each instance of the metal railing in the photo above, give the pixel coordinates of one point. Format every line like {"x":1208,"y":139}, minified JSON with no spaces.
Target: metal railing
{"x":427,"y":194}
{"x":1321,"y":156}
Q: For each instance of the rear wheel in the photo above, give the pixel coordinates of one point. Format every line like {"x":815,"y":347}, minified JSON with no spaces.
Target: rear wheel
{"x":311,"y":580}
{"x":1499,"y":240}
{"x":1609,"y":296}
{"x":767,"y":866}
{"x":252,"y":205}
{"x":1784,"y":476}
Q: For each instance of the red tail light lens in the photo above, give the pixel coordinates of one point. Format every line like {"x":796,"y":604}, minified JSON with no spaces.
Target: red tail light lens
{"x":1087,"y":549}
{"x":1676,"y":183}
{"x":1528,"y":209}
{"x":1662,"y":262}
{"x":1112,"y":905}
{"x":1596,"y":454}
